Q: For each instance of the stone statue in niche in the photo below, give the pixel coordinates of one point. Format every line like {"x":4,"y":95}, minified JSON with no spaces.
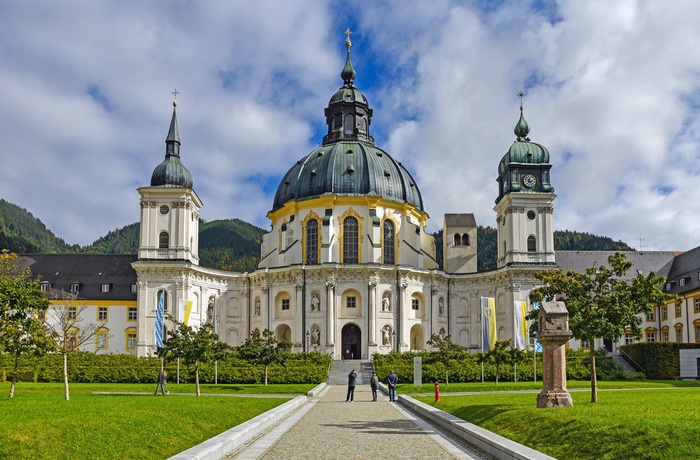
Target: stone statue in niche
{"x":210,"y":311}
{"x":316,"y":337}
{"x":315,"y":303}
{"x":386,"y":332}
{"x":257,"y":307}
{"x":386,"y":303}
{"x":441,"y":306}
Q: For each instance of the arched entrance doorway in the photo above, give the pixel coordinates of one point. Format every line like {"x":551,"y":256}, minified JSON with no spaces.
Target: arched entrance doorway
{"x":351,"y":336}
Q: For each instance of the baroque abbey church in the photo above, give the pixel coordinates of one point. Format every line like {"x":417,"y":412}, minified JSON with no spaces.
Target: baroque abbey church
{"x":347,"y":268}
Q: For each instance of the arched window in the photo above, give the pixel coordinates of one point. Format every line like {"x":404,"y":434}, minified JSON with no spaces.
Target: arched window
{"x":163,"y":240}
{"x":312,"y":242}
{"x":465,"y":239}
{"x":349,"y":123}
{"x":531,"y":244}
{"x":350,"y":241}
{"x":388,"y":243}
{"x":458,"y":239}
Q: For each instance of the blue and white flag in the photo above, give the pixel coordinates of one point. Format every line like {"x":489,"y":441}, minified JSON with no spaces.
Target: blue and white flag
{"x":159,"y":320}
{"x":538,"y":345}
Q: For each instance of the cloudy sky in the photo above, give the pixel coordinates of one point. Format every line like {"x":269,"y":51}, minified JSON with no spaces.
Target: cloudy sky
{"x":613,"y":91}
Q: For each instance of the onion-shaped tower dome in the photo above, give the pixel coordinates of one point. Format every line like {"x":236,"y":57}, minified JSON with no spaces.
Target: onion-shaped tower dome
{"x":525,"y":167}
{"x":348,"y":163}
{"x":171,"y":172}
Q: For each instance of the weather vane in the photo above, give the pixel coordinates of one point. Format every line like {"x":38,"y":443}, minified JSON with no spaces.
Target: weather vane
{"x":521,"y":95}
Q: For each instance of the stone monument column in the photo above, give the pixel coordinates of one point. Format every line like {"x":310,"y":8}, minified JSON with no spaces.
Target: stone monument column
{"x":553,"y":333}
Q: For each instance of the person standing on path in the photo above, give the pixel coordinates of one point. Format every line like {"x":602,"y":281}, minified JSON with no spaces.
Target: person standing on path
{"x":374,"y":383}
{"x":162,"y":380}
{"x":352,"y":379}
{"x":393,"y":379}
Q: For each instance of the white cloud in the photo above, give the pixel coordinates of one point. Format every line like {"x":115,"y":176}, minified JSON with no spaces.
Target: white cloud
{"x":612,"y":93}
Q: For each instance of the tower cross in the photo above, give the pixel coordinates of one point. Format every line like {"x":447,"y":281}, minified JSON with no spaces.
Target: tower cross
{"x":521,"y":95}
{"x":175,"y":93}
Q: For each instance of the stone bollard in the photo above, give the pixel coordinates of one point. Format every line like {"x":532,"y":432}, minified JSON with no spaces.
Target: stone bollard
{"x":553,"y":333}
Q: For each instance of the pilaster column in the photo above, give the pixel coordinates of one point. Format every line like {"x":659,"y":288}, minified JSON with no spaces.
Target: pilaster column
{"x":330,"y":312}
{"x":372,"y":310}
{"x":404,"y":333}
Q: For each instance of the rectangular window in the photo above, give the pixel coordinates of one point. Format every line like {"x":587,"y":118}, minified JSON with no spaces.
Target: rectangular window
{"x":651,"y":316}
{"x":679,"y":310}
{"x":45,"y":287}
{"x":105,"y":287}
{"x":697,"y":333}
{"x":133,"y":289}
{"x":102,"y":314}
{"x":72,"y":312}
{"x":101,"y":340}
{"x":664,"y":313}
{"x":131,"y":340}
{"x":133,"y":314}
{"x":285,"y":304}
{"x":629,"y":338}
{"x":584,"y":344}
{"x":352,"y":302}
{"x":664,"y":336}
{"x":71,"y":340}
{"x":697,"y":305}
{"x":679,"y":335}
{"x":681,"y":282}
{"x":651,"y":336}
{"x":415,"y":304}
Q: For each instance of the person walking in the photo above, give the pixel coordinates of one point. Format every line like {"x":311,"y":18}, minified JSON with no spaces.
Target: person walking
{"x":373,"y":384}
{"x":352,"y":379}
{"x":393,"y":379}
{"x":162,"y":380}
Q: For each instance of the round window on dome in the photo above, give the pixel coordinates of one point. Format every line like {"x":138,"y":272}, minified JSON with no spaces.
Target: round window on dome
{"x":531,"y":215}
{"x":164,"y":209}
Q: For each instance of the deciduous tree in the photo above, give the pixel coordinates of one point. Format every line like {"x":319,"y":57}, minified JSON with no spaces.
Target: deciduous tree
{"x":264,"y":349}
{"x":193,"y":346}
{"x":446,"y":351}
{"x":501,"y":354}
{"x":22,"y":309}
{"x":601,"y":302}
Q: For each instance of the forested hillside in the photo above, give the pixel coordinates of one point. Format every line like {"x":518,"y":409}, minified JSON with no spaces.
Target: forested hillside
{"x":20,"y":231}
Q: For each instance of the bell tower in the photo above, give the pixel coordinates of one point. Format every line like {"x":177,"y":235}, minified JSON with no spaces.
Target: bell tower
{"x":524,"y":207}
{"x":170,"y":208}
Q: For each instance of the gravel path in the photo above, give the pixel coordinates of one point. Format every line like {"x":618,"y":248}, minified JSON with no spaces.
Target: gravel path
{"x":330,"y":428}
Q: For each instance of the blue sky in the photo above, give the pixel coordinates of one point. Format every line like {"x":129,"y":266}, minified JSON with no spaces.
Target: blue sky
{"x":612,"y":92}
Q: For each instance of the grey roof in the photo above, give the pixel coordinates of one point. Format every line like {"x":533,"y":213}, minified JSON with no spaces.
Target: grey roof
{"x":656,"y":261}
{"x":171,"y":173}
{"x":686,"y":267}
{"x":91,"y":271}
{"x":460,"y":220}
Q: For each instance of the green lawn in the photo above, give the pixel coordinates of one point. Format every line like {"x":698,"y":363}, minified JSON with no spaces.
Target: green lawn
{"x":408,"y":388}
{"x":39,"y":424}
{"x":634,"y":424}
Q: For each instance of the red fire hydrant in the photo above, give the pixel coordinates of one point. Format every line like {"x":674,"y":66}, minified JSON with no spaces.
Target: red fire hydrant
{"x":437,"y":392}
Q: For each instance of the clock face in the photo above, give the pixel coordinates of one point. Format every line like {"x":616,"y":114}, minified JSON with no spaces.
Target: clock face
{"x":529,"y":181}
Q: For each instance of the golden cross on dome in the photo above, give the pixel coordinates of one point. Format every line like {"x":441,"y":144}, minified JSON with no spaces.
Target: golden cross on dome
{"x":348,"y":43}
{"x":521,"y":95}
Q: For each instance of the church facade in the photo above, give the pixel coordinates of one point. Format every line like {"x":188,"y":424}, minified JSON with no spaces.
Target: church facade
{"x":347,"y":268}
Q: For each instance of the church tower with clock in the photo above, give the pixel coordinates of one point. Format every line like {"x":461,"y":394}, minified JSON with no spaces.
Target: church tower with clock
{"x":524,"y":206}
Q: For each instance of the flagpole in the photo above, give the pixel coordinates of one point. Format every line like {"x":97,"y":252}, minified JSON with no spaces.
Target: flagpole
{"x":482,"y":338}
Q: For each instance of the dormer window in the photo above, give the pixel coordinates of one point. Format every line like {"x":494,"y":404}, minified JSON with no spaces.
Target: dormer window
{"x":74,"y":288}
{"x":105,"y":287}
{"x":45,"y":286}
{"x":349,"y":125}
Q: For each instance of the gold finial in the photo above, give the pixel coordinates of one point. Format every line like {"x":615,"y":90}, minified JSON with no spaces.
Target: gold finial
{"x":521,"y":95}
{"x":175,"y":93}
{"x":348,"y":43}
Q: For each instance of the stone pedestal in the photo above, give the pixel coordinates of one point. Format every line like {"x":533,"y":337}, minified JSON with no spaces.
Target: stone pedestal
{"x":553,"y":333}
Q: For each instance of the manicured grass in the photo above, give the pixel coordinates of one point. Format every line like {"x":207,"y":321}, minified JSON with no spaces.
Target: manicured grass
{"x":639,"y":424}
{"x":408,"y":388}
{"x":39,"y":424}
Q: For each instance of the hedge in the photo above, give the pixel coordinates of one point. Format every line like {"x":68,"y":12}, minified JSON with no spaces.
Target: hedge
{"x":86,"y":367}
{"x":660,"y":360}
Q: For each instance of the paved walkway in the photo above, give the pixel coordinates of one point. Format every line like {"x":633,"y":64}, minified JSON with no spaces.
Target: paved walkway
{"x":330,"y":428}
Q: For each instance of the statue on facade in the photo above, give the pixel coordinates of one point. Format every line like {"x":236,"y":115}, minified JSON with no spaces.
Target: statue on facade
{"x":386,"y":303}
{"x":257,"y":307}
{"x":315,"y":303}
{"x":441,"y":306}
{"x":316,"y":337}
{"x":385,"y":335}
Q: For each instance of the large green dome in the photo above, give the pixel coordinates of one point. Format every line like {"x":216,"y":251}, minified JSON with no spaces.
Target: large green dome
{"x":348,"y":163}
